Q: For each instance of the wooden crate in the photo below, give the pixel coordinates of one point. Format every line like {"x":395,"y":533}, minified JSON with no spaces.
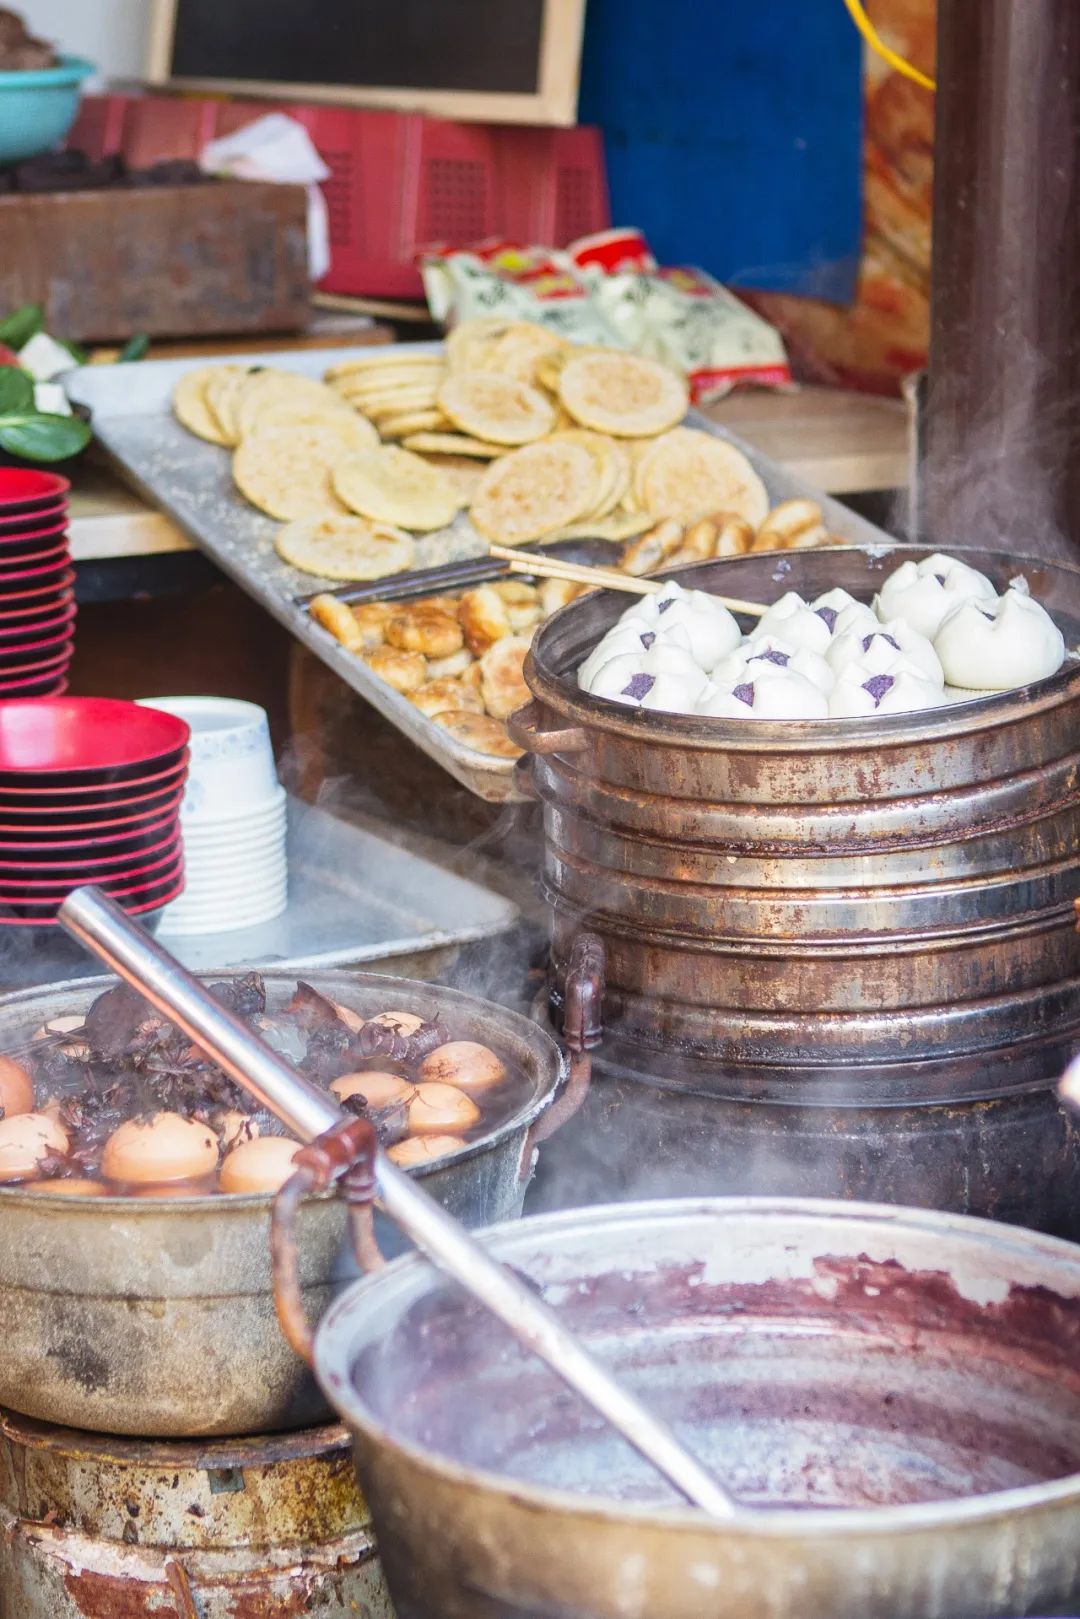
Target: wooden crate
{"x":168,"y":260}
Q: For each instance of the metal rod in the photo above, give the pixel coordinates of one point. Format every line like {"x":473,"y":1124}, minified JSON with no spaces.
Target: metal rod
{"x":110,"y":934}
{"x":106,"y":930}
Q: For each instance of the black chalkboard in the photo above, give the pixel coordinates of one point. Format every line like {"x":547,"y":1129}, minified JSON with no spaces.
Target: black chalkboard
{"x":486,"y":46}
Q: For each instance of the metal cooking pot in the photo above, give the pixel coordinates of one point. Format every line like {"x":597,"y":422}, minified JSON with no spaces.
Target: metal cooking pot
{"x":892,"y":1396}
{"x":886,"y":903}
{"x":130,"y":1316}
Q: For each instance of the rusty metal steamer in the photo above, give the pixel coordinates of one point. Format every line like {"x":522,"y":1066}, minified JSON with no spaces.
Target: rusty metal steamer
{"x":856,"y":936}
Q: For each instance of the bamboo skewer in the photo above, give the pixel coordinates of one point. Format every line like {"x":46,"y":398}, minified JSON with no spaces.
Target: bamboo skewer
{"x":548,"y":567}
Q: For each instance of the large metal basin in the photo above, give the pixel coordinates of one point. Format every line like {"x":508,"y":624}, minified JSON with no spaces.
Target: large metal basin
{"x":826,"y":896}
{"x":130,"y":1316}
{"x":893,"y":1397}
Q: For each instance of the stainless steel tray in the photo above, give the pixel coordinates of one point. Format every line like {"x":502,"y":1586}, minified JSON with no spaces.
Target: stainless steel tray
{"x":130,"y":406}
{"x":355,"y":899}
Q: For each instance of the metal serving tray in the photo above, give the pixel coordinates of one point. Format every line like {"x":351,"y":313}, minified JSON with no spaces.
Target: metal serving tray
{"x":130,"y":406}
{"x":355,"y":899}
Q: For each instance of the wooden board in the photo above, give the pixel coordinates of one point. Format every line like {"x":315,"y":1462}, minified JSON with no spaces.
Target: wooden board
{"x":504,"y":61}
{"x":165,"y":260}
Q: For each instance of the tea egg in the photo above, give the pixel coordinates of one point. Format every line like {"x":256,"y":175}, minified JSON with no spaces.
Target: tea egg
{"x":464,"y":1063}
{"x":438,"y":1109}
{"x":163,"y":1148}
{"x":69,"y":1188}
{"x":259,"y":1166}
{"x":377,"y":1088}
{"x":405,"y":1023}
{"x":16,"y":1088}
{"x":25,"y":1140}
{"x":422,"y":1149}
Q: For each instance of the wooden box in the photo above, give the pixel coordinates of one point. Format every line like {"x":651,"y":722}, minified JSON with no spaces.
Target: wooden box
{"x":170,"y":261}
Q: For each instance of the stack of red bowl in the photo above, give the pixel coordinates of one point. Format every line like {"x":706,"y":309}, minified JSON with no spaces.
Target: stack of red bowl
{"x":37,"y":596}
{"x":90,"y":791}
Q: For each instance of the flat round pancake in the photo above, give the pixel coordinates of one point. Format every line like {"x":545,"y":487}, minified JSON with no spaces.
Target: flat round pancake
{"x":500,"y":410}
{"x":394,"y":486}
{"x":534,"y":491}
{"x":337,"y":547}
{"x":690,"y":474}
{"x":623,"y":394}
{"x":190,"y":404}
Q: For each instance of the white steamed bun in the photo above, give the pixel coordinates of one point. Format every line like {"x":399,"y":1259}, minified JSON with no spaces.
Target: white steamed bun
{"x":905,"y":689}
{"x":923,"y":592}
{"x":794,"y":622}
{"x":1000,"y":644}
{"x":773,"y":694}
{"x":712,"y":630}
{"x":878,"y":649}
{"x":842,"y":613}
{"x":769,"y":651}
{"x":664,"y":677}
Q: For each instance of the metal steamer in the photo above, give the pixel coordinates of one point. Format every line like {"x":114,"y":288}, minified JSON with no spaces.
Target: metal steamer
{"x":860,"y":933}
{"x":133,"y":1316}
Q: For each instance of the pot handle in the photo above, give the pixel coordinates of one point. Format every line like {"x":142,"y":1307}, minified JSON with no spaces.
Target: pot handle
{"x":345,"y":1154}
{"x":525,"y":729}
{"x":583,"y":1030}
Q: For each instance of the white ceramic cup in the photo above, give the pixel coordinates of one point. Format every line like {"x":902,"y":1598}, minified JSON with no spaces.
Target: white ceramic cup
{"x":231,"y":775}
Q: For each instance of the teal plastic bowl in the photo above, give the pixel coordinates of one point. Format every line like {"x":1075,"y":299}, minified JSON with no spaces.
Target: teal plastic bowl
{"x":37,"y":108}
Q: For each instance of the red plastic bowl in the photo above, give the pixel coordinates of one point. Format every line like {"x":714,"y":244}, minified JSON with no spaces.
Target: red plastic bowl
{"x":136,"y":904}
{"x":26,"y":828}
{"x":25,"y":489}
{"x":40,"y":517}
{"x":21,"y":675}
{"x":103,"y":822}
{"x":32,"y":532}
{"x":93,"y":844}
{"x":18,"y":659}
{"x":47,"y":624}
{"x":59,"y":861}
{"x":13,"y":602}
{"x":46,"y":574}
{"x":54,"y":685}
{"x":38,"y":890}
{"x":16,"y":812}
{"x":101,"y":796}
{"x":83,"y":741}
{"x":47,"y":606}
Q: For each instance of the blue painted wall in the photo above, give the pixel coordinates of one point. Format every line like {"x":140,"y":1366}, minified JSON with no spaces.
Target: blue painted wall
{"x":732,"y":130}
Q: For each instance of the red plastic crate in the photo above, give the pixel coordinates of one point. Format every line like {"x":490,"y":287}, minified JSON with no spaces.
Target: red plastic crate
{"x":399,"y":182}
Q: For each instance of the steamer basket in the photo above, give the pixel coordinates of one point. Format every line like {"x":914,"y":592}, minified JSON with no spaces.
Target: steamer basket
{"x":883,"y":907}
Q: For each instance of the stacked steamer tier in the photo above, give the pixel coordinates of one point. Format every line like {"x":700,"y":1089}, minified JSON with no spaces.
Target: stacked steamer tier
{"x":37,"y":596}
{"x":842,"y":957}
{"x":90,"y":792}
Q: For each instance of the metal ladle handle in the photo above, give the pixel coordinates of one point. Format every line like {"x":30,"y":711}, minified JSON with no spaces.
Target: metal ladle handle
{"x":106,"y":930}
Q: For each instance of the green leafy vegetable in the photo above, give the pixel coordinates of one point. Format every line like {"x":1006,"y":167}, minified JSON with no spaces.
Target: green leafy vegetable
{"x":134,"y":349}
{"x":16,"y":392}
{"x":38,"y":437}
{"x":21,"y":325}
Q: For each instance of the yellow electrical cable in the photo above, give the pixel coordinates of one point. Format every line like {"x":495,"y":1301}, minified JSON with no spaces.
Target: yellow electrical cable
{"x":876,"y":43}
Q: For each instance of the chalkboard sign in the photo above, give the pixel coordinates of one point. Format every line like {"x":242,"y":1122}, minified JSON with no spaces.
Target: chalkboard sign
{"x":509,"y":61}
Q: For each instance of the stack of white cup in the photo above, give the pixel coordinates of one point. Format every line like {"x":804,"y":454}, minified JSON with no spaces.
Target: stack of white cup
{"x":232,"y":820}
